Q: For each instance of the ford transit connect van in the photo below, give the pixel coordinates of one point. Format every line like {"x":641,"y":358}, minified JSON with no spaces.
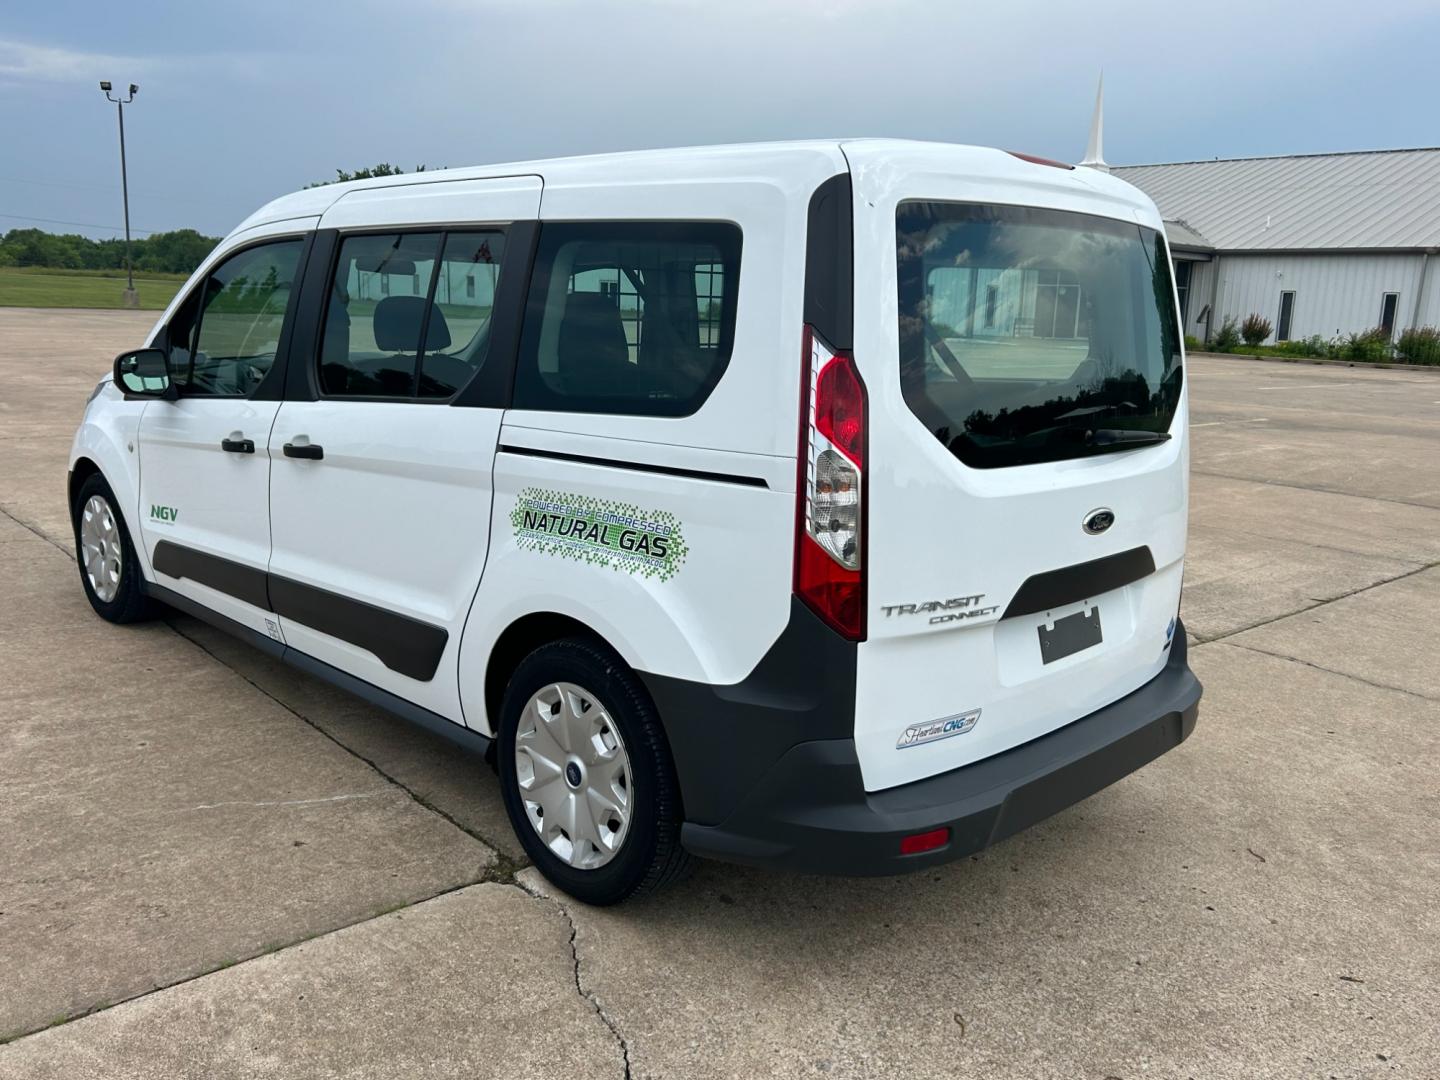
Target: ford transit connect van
{"x":819,"y":504}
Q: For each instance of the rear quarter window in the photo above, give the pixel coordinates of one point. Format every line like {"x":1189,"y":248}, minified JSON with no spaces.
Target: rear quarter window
{"x":635,"y":318}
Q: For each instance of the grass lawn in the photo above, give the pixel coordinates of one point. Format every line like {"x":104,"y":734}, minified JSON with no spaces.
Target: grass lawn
{"x":63,"y":289}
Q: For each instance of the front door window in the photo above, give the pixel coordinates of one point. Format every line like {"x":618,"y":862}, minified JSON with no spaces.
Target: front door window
{"x":241,"y":310}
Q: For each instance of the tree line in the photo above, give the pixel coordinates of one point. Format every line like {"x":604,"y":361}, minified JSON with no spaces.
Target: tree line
{"x":176,"y":252}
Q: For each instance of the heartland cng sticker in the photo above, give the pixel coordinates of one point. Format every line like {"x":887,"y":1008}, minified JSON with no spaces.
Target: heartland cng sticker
{"x":622,"y":536}
{"x":935,"y":730}
{"x":166,"y":515}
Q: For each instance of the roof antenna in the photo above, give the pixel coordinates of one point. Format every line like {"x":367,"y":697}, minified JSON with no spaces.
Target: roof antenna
{"x":1095,"y":152}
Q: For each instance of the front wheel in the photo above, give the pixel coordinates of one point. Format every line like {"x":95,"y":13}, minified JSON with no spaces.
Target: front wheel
{"x":586,"y":774}
{"x":109,"y":571}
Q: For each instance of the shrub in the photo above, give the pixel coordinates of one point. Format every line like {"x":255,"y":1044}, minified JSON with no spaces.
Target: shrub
{"x":1311,"y":346}
{"x":1193,"y":343}
{"x":1255,"y":329}
{"x":1372,"y":344}
{"x":1420,"y":345}
{"x":1227,"y":338}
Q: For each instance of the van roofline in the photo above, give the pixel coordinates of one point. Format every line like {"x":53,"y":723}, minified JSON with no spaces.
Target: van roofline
{"x":717,"y":162}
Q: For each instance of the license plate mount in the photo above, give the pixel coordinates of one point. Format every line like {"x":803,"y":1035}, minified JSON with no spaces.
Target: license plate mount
{"x":1069,"y":635}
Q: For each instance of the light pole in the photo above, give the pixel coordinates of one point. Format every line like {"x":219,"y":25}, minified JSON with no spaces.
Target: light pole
{"x":131,"y":298}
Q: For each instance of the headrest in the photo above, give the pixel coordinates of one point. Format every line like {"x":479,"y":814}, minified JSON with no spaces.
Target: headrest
{"x":591,"y":305}
{"x":397,"y":325}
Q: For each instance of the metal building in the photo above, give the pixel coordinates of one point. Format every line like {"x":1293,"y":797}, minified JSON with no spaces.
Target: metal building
{"x":1327,"y":244}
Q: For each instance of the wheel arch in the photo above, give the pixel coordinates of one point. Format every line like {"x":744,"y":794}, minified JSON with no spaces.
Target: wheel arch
{"x":81,"y":469}
{"x":518,"y":640}
{"x":105,"y":444}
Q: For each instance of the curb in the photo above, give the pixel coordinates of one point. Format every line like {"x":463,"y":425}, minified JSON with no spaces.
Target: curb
{"x":1389,"y":365}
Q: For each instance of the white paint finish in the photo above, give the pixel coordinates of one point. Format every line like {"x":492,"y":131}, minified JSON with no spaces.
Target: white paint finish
{"x":887,"y":170}
{"x":108,"y":435}
{"x":469,"y":201}
{"x":548,"y":431}
{"x":938,"y":529}
{"x":995,"y":667}
{"x":397,"y":514}
{"x":222,"y":499}
{"x":410,"y":508}
{"x":766,"y":191}
{"x":712,"y":621}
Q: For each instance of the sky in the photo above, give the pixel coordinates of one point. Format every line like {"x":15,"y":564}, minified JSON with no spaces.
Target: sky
{"x":241,"y":102}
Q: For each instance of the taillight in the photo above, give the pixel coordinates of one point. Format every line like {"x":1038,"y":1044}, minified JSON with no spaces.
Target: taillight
{"x":830,"y":508}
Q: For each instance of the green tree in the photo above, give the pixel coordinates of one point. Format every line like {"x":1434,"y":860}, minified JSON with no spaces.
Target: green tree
{"x":176,"y":252}
{"x":383,"y":169}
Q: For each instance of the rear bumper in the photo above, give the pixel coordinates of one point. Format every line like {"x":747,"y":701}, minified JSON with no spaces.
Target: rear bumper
{"x":810,"y":812}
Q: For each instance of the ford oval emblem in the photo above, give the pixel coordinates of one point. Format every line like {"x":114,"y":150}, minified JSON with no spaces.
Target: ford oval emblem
{"x":1097,"y":521}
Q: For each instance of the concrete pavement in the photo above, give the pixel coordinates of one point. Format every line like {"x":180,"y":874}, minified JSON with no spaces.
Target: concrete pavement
{"x":1261,"y":902}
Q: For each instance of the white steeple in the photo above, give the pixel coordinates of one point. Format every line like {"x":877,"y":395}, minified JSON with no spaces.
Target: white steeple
{"x":1095,"y":152}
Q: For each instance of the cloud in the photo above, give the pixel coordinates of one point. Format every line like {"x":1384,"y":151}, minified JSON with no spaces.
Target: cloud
{"x":23,"y":62}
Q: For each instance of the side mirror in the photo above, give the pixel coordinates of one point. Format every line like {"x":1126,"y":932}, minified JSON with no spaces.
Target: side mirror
{"x":144,"y":373}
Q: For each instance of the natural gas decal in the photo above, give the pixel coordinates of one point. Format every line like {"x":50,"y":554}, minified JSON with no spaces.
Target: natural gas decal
{"x":600,"y":532}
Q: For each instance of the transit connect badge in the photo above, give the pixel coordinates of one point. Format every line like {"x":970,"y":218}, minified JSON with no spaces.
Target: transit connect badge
{"x":935,"y":730}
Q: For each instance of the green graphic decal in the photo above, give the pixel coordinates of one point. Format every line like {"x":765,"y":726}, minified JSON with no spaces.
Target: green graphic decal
{"x":598,"y":531}
{"x":164,"y":513}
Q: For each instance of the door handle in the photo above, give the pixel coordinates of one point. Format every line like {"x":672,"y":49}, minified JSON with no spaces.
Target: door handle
{"x":238,"y":446}
{"x":304,"y":450}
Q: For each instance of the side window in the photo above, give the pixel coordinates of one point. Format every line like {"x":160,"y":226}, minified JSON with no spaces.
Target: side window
{"x":629,"y":317}
{"x":390,"y":289}
{"x":464,"y":296}
{"x":223,"y":339}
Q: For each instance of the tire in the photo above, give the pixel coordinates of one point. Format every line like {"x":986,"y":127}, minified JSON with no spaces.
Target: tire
{"x":98,"y":568}
{"x":647,"y":854}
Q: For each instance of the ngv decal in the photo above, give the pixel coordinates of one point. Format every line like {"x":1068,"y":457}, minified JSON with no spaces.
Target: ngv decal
{"x":935,"y":730}
{"x":167,"y":514}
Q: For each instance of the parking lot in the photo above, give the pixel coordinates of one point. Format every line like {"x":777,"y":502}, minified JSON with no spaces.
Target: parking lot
{"x":212,"y":865}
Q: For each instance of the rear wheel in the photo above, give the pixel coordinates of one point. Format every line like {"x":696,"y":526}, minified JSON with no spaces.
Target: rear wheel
{"x":109,"y":570}
{"x":586,"y":774}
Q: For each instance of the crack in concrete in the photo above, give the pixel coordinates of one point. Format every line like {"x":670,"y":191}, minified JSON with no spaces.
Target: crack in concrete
{"x":36,"y":530}
{"x":588,"y":995}
{"x":1313,"y":607}
{"x":1329,"y":671}
{"x":1313,"y":487}
{"x":505,"y":867}
{"x":267,"y":950}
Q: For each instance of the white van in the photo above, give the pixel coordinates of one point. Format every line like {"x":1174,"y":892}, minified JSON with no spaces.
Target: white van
{"x":815,"y":504}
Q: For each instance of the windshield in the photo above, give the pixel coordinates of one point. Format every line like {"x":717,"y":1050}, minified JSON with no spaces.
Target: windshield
{"x":1031,"y":335}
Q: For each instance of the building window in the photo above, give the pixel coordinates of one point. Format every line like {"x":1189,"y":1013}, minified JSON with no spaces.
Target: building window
{"x":1183,"y":267}
{"x":992,"y":301}
{"x":1388,"y":305}
{"x":1287,"y":314}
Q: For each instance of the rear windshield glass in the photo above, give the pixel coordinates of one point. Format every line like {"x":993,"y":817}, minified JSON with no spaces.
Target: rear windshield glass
{"x":1031,"y":335}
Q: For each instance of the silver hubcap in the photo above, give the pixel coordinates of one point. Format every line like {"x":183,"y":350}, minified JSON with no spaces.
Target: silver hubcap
{"x":100,"y":553}
{"x":574,"y":775}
